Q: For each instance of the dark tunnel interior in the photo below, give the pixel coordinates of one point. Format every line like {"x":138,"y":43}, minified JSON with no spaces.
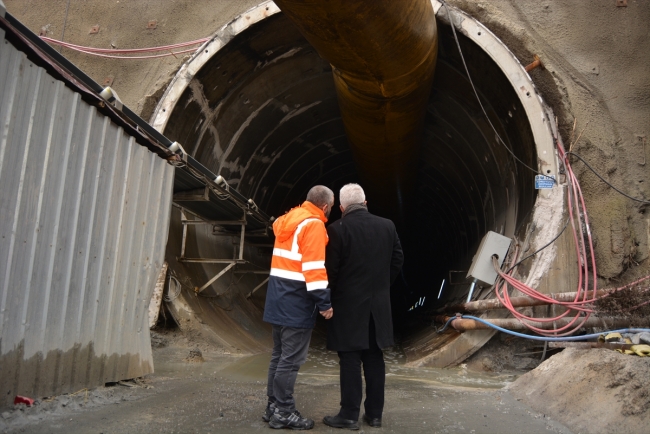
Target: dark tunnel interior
{"x":263,"y":114}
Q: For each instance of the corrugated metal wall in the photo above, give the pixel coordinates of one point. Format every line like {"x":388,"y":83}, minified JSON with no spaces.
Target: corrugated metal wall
{"x":84,"y":214}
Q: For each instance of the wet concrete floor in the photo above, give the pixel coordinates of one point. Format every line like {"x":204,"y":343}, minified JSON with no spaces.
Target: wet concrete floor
{"x":227,"y":394}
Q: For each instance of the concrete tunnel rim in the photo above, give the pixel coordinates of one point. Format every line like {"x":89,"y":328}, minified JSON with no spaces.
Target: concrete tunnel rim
{"x":539,"y":114}
{"x":195,"y":63}
{"x":536,"y":109}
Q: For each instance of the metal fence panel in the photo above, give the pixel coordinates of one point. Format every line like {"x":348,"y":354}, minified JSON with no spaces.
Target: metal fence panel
{"x":84,"y":212}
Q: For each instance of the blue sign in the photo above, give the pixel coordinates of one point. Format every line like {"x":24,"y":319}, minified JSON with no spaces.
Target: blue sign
{"x":543,"y":181}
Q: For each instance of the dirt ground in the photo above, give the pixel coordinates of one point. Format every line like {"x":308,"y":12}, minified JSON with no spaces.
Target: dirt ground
{"x":226,"y":393}
{"x":198,"y":389}
{"x":592,"y":391}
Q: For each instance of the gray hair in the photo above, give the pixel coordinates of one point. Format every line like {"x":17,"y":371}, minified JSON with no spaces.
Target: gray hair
{"x":351,"y":194}
{"x":320,"y":195}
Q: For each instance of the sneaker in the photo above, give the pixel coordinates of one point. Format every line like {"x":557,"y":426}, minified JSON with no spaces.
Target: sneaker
{"x":270,"y":409}
{"x":293,"y":420}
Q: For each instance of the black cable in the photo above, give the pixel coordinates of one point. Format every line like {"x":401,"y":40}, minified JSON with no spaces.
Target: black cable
{"x":65,"y":21}
{"x":542,"y":248}
{"x":605,"y":181}
{"x":453,"y":29}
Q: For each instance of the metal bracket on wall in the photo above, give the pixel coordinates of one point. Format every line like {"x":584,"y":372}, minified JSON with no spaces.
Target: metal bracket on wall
{"x":238,"y":256}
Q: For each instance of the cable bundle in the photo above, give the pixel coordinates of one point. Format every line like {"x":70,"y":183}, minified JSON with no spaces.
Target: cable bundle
{"x":129,"y":52}
{"x":582,"y":306}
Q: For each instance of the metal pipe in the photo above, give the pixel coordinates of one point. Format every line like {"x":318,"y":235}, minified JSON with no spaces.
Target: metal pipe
{"x":534,"y":64}
{"x":589,"y":345}
{"x":462,"y":324}
{"x":471,"y":290}
{"x":522,"y":301}
{"x":215,"y":278}
{"x":383,"y":55}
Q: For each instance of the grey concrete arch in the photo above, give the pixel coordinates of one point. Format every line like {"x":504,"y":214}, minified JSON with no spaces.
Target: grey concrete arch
{"x":256,"y":104}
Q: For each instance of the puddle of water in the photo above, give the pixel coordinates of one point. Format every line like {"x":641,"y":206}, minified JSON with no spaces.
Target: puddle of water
{"x":169,"y":362}
{"x":323,"y":362}
{"x":323,"y":365}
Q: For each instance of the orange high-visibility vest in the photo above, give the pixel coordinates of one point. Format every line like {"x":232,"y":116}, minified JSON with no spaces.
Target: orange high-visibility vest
{"x":298,"y":280}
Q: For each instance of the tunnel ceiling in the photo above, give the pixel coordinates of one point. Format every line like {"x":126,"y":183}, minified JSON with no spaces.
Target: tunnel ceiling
{"x":262,"y":112}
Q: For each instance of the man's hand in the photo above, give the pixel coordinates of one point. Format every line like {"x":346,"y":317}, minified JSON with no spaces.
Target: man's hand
{"x":327,"y":314}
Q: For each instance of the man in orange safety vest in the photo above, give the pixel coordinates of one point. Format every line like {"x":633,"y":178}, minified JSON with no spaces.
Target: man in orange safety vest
{"x":297,"y":288}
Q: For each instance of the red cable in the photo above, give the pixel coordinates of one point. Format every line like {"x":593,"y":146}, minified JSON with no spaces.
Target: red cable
{"x":575,"y":201}
{"x":104,"y":52}
{"x":124,"y":50}
{"x":505,"y":300}
{"x":138,"y":57}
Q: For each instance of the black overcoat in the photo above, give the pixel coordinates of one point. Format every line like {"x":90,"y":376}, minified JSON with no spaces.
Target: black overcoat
{"x":363,"y":258}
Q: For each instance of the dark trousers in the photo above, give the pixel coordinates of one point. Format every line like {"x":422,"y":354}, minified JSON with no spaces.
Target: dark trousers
{"x":290,"y":346}
{"x":374,"y":371}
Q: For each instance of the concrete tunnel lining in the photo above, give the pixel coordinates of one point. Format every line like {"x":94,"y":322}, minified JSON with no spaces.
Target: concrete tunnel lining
{"x":239,"y":102}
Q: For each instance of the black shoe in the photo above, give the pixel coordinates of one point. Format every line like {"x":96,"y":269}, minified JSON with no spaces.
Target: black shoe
{"x":293,"y":420}
{"x":270,"y":409}
{"x":338,"y":422}
{"x":376,"y":422}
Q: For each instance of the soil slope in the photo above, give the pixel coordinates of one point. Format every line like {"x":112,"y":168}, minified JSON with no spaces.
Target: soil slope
{"x":590,"y":391}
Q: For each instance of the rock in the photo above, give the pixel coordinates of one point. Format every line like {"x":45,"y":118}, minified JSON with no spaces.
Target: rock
{"x":195,"y":356}
{"x":158,"y":341}
{"x":645,"y":337}
{"x":634,"y":338}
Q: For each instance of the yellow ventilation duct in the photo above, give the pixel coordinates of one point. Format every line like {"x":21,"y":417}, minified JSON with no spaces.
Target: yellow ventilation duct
{"x":383,"y":54}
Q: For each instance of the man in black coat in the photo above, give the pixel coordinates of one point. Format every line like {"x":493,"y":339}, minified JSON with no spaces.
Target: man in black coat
{"x":363,"y":258}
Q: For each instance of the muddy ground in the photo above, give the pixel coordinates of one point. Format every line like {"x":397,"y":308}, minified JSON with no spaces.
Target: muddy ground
{"x":226,"y":393}
{"x":198,"y":389}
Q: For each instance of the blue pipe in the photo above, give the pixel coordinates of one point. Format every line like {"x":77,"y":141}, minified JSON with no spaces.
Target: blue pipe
{"x":542,"y":338}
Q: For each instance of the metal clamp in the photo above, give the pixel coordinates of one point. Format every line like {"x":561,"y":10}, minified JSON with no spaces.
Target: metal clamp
{"x":111,"y":97}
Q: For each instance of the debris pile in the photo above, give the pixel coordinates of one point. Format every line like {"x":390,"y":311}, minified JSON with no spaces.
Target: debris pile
{"x":590,"y":390}
{"x":632,"y":303}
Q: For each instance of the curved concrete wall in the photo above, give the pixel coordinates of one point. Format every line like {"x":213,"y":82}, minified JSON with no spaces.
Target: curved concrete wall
{"x":262,"y":112}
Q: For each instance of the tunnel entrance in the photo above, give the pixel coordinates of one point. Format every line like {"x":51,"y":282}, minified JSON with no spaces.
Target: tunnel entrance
{"x":257,"y":105}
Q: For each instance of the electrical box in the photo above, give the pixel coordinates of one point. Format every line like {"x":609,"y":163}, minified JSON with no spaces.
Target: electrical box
{"x":482,"y":268}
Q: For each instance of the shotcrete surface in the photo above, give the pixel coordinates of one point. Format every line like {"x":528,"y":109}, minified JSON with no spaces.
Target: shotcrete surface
{"x":124,"y":24}
{"x":228,"y":394}
{"x":593,"y":75}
